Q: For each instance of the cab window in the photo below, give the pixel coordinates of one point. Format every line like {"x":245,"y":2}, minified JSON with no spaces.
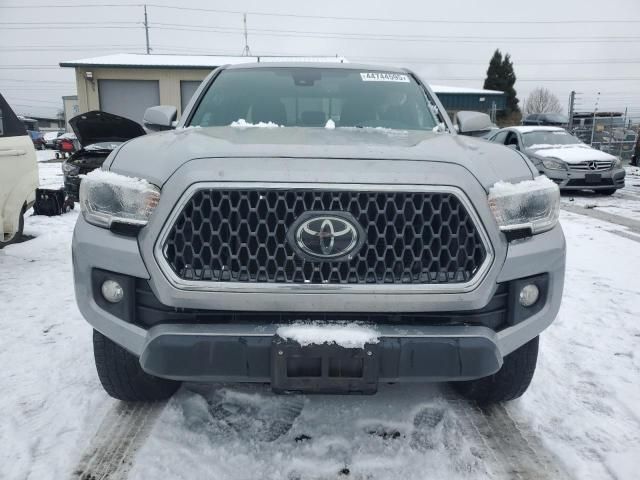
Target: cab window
{"x":10,"y":124}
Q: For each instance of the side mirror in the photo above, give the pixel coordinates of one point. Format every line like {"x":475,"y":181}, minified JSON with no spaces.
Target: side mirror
{"x":469,"y":123}
{"x":160,"y":117}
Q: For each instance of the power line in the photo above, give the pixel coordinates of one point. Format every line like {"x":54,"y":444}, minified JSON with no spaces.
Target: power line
{"x":31,"y":6}
{"x":68,"y":82}
{"x":333,"y":17}
{"x":40,"y":101}
{"x":394,"y":20}
{"x":72,"y":27}
{"x":68,"y":23}
{"x":392,"y":37}
{"x":443,"y":61}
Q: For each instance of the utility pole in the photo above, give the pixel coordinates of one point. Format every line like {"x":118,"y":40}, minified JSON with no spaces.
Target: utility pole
{"x":146,"y":28}
{"x":593,"y":125}
{"x":246,"y":51}
{"x":572,"y":100}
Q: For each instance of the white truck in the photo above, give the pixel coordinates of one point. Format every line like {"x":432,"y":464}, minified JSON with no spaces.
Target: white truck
{"x":18,"y":174}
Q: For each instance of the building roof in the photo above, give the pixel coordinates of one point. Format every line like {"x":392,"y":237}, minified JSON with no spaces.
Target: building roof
{"x":124,"y":60}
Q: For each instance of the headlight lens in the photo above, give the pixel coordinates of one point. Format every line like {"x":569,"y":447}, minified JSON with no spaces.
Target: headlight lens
{"x":530,"y":205}
{"x":70,"y":169}
{"x":617,"y":163}
{"x":553,"y":164}
{"x":107,"y":198}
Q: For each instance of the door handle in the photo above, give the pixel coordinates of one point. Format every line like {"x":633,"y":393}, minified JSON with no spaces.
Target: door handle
{"x":11,"y":153}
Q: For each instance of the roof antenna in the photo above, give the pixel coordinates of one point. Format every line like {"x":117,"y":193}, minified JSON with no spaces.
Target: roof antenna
{"x":246,"y":52}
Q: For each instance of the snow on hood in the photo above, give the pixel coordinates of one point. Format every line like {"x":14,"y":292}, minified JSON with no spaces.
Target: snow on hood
{"x":156,"y":157}
{"x":348,"y":335}
{"x":242,"y":123}
{"x":570,"y":153}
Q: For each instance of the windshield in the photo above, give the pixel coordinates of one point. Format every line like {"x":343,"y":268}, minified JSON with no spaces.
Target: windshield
{"x":310,"y":97}
{"x":541,"y":139}
{"x":555,"y":117}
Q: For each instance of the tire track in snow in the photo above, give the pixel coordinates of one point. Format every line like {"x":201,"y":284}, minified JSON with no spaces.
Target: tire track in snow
{"x":120,"y":435}
{"x":516,"y":452}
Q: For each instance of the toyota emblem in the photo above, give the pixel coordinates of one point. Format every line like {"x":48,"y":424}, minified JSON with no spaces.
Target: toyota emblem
{"x":328,"y":236}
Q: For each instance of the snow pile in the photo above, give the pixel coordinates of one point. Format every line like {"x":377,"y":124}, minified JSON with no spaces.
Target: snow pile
{"x":387,"y":131}
{"x":117,"y":180}
{"x":348,"y":335}
{"x":505,"y":189}
{"x":573,"y":153}
{"x":330,"y":125}
{"x":242,"y":123}
{"x":45,"y":155}
{"x":538,"y":146}
{"x":633,"y":171}
{"x":529,"y":129}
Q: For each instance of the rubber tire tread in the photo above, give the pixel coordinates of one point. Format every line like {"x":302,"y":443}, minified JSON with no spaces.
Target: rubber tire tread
{"x":508,"y":383}
{"x":122,"y":376}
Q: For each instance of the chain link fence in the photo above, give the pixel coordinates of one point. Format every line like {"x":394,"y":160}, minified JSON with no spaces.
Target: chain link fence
{"x":612,"y":134}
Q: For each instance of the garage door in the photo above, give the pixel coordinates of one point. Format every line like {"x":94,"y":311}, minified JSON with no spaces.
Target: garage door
{"x":187,"y":89}
{"x":128,"y":98}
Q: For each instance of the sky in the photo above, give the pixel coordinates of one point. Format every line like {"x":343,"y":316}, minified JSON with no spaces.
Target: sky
{"x":587,"y":46}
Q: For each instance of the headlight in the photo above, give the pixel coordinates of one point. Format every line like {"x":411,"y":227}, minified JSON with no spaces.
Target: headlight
{"x":553,"y":164}
{"x":70,"y":169}
{"x":617,"y":163}
{"x":117,"y":202}
{"x":532,"y":205}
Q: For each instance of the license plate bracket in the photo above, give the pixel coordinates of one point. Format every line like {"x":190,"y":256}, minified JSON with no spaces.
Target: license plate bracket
{"x":330,"y":369}
{"x":593,"y":178}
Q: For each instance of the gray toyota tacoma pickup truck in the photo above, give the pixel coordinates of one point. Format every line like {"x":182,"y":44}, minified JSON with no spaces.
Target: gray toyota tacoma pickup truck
{"x":318,"y":227}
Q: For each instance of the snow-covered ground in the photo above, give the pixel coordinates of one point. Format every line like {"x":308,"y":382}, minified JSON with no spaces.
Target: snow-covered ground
{"x":580,"y":415}
{"x":625,"y":202}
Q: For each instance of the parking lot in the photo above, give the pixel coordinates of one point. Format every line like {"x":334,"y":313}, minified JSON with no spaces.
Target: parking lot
{"x":578,"y":420}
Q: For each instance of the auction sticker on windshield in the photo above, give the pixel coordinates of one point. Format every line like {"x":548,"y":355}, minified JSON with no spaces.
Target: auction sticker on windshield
{"x":384,"y":77}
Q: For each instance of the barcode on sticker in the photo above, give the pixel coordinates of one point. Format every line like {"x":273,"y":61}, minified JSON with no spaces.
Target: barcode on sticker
{"x":384,"y":77}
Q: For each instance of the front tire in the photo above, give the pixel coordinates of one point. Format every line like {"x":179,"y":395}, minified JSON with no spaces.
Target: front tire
{"x":122,"y":376}
{"x":608,"y":191}
{"x":8,"y":240}
{"x":508,"y":383}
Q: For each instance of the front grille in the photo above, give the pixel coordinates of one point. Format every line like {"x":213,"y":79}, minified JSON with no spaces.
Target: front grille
{"x":591,"y":166}
{"x":241,"y":236}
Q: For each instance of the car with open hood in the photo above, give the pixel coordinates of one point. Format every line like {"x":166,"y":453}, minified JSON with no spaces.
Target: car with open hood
{"x":321,"y":227}
{"x":98,"y":134}
{"x":564,"y":158}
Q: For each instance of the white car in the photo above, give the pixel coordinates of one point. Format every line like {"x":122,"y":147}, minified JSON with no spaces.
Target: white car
{"x":18,"y":174}
{"x":562,"y":157}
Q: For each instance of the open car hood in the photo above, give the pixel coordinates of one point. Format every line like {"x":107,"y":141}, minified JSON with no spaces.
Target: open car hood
{"x":96,"y":126}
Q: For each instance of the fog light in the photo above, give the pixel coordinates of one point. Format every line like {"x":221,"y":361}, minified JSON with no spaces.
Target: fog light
{"x":529,"y":295}
{"x":112,"y":291}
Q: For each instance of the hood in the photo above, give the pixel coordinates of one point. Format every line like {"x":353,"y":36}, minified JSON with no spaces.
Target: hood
{"x":158,"y":155}
{"x":96,"y":126}
{"x":569,"y":153}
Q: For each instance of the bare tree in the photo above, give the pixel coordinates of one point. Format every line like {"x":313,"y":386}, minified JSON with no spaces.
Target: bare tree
{"x":541,"y":100}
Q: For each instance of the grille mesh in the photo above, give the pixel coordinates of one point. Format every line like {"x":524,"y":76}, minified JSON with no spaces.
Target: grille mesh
{"x":240,"y":236}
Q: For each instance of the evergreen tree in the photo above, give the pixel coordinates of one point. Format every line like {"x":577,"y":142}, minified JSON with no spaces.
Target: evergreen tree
{"x":501,"y":76}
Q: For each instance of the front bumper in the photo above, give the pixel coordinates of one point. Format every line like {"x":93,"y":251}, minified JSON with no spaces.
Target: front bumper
{"x":202,"y":344}
{"x":578,"y":180}
{"x":239,"y":351}
{"x":243,"y":353}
